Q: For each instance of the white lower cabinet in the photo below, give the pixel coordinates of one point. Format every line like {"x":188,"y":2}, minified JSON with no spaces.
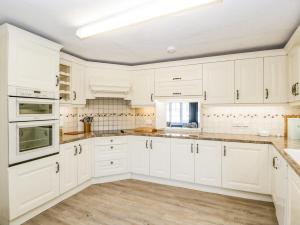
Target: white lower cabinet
{"x":182,"y":160}
{"x":33,"y":184}
{"x":75,"y":166}
{"x":245,"y":167}
{"x":293,"y":206}
{"x":150,"y":156}
{"x":208,"y":163}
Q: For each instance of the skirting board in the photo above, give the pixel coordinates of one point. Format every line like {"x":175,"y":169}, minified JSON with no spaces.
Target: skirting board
{"x":204,"y":188}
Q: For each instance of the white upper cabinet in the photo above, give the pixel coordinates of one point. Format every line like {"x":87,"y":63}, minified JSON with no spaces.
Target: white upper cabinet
{"x":275,"y":79}
{"x":78,"y":84}
{"x":32,"y":184}
{"x":249,"y":80}
{"x":142,"y":88}
{"x":182,"y":160}
{"x":179,"y":81}
{"x":33,"y":62}
{"x":294,"y":74}
{"x":208,"y":163}
{"x":160,"y":150}
{"x":218,"y":82}
{"x":246,"y":167}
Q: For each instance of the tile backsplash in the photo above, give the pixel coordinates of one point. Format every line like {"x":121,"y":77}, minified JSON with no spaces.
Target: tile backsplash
{"x":246,"y":119}
{"x":108,"y":113}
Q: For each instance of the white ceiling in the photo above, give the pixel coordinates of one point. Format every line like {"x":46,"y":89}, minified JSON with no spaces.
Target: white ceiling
{"x":233,"y":26}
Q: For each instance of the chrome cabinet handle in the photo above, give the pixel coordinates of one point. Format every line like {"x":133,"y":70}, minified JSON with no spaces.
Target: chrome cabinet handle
{"x":197,"y":151}
{"x":80,"y":149}
{"x":176,"y":78}
{"x":297,"y":89}
{"x":237,"y":94}
{"x":57,"y":81}
{"x":74,"y":95}
{"x":176,"y":93}
{"x":111,"y":147}
{"x":267,"y":93}
{"x":151,"y":144}
{"x":76,"y":150}
{"x":151,"y":97}
{"x":111,"y":162}
{"x":147,"y":144}
{"x":57,"y":167}
{"x":205,"y":96}
{"x":274,"y":163}
{"x":225,"y":151}
{"x":192,"y":148}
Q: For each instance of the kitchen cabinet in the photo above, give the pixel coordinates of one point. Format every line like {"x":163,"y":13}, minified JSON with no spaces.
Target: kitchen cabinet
{"x":249,"y":80}
{"x":218,"y":82}
{"x":293,"y":209}
{"x":294,"y":74}
{"x":275,"y":79}
{"x":182,"y":160}
{"x":279,"y":176}
{"x":32,"y":61}
{"x":110,"y":155}
{"x":246,"y":167}
{"x":142,"y":88}
{"x":78,"y":84}
{"x":32,"y":184}
{"x":150,"y":156}
{"x":75,"y":164}
{"x":179,"y":81}
{"x":208,"y":163}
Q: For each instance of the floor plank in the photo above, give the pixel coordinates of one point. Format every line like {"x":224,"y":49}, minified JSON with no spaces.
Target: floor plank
{"x":132,"y":202}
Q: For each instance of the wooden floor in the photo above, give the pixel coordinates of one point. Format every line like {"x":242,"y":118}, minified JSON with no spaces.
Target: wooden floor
{"x":141,"y":203}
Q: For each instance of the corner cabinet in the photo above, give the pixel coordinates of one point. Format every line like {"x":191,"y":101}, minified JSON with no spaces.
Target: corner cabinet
{"x":294,"y":74}
{"x":246,"y":167}
{"x":218,"y":82}
{"x":249,"y":79}
{"x":142,"y":88}
{"x":32,"y":184}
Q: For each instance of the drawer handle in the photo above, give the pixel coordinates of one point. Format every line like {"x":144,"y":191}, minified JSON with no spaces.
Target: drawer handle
{"x":176,"y":78}
{"x":111,"y":162}
{"x":111,"y":140}
{"x":111,"y":147}
{"x":176,"y":93}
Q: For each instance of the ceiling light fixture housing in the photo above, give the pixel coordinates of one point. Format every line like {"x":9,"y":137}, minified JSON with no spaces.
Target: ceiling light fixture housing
{"x":146,"y":12}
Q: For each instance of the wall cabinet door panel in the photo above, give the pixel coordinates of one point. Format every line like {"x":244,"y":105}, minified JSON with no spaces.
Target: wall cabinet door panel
{"x":182,"y":160}
{"x":208,"y":163}
{"x":218,"y":82}
{"x":78,"y":84}
{"x":249,"y":80}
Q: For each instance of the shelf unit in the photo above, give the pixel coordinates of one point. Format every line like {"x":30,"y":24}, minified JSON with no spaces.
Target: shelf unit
{"x":65,"y":82}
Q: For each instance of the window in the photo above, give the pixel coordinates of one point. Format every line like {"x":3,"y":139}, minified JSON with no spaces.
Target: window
{"x":182,"y":114}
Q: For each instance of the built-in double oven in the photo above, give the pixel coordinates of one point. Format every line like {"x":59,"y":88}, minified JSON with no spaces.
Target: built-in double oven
{"x":33,"y":126}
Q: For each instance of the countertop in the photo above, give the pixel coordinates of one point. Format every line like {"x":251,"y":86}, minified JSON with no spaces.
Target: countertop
{"x":280,"y":143}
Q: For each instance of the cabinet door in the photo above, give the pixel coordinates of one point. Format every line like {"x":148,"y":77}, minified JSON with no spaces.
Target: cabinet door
{"x":275,"y":79}
{"x":32,"y":64}
{"x":218,"y":82}
{"x":294,"y":74}
{"x":139,"y":150}
{"x":143,"y":88}
{"x":68,"y":166}
{"x":206,"y":172}
{"x":160,"y":158}
{"x":245,"y":167}
{"x":78,"y":84}
{"x":249,"y":80}
{"x":179,"y":73}
{"x":293,"y":199}
{"x":279,"y":186}
{"x":32,"y":184}
{"x":84,"y":161}
{"x":182,"y":160}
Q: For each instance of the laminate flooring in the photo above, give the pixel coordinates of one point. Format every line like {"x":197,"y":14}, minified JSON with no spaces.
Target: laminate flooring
{"x":132,"y":202}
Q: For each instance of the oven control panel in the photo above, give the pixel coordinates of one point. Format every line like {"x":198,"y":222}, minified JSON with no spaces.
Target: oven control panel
{"x":31,"y":93}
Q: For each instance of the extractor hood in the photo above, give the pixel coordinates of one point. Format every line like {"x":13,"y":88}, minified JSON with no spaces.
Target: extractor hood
{"x":110,"y":89}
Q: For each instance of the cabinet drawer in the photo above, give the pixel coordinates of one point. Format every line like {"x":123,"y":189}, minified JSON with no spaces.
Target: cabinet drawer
{"x":109,"y":151}
{"x":182,"y":88}
{"x":180,"y":73}
{"x":111,"y":167}
{"x":110,"y":140}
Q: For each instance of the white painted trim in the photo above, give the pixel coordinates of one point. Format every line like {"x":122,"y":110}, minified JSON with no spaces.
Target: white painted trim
{"x":204,"y":188}
{"x":42,"y":208}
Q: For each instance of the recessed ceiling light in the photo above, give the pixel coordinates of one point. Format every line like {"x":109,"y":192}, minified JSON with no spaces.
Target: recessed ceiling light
{"x":153,"y":9}
{"x":171,"y":49}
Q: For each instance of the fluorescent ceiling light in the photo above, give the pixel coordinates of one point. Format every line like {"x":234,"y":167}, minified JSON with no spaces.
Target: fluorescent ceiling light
{"x":151,"y":10}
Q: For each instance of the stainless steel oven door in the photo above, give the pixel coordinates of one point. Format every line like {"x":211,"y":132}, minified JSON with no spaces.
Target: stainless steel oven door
{"x":31,"y":140}
{"x":26,"y":109}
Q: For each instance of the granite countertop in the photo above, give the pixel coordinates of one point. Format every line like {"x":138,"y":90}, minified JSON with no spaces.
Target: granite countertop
{"x":280,"y":143}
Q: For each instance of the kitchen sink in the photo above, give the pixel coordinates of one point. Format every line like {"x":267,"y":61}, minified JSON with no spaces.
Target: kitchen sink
{"x":295,"y":154}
